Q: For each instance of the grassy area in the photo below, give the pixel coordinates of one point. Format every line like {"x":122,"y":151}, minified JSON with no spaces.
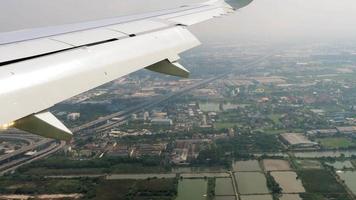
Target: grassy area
{"x":223,"y":125}
{"x":335,"y":143}
{"x":155,"y":189}
{"x":22,"y":184}
{"x":255,"y":143}
{"x":59,"y":165}
{"x":92,"y":188}
{"x":275,"y":118}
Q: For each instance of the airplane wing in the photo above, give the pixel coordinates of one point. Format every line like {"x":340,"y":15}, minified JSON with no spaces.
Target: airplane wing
{"x":44,"y":66}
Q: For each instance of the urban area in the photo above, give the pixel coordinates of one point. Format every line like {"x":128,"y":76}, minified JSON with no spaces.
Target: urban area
{"x":253,"y":122}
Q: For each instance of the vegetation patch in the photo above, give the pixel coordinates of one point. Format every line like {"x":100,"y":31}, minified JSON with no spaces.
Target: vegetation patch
{"x":336,"y":142}
{"x":320,"y":181}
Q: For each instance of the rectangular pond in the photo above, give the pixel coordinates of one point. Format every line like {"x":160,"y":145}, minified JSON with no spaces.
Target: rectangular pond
{"x":223,"y":186}
{"x":192,"y":189}
{"x":350,"y":179}
{"x":251,"y":183}
{"x":244,"y":166}
{"x":256,"y":197}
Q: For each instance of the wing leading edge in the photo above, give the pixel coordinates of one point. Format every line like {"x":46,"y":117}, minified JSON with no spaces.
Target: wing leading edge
{"x":42,"y":67}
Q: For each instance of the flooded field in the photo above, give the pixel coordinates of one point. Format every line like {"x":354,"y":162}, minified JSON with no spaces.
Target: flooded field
{"x":350,"y":180}
{"x":202,"y":175}
{"x":276,"y":165}
{"x":192,"y":189}
{"x":256,"y":197}
{"x":309,"y":164}
{"x":290,"y":197}
{"x":223,"y":186}
{"x":288,"y":182}
{"x":225,"y":198}
{"x":251,"y":183}
{"x":244,"y":166}
{"x":325,"y":154}
{"x":341,"y":165}
{"x":138,"y":176}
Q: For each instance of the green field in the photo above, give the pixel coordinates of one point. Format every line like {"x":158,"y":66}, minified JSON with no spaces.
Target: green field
{"x":275,"y":118}
{"x":335,"y":143}
{"x":223,"y":125}
{"x":155,"y":189}
{"x":321,"y":183}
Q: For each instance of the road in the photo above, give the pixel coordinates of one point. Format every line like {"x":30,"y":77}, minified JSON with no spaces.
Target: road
{"x":41,"y":154}
{"x":13,"y":160}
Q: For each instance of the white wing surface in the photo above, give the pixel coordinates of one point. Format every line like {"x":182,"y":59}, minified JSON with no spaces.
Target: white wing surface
{"x":44,"y":66}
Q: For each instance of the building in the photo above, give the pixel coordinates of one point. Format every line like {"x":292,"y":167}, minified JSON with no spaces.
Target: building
{"x":297,"y":141}
{"x":149,"y":150}
{"x":347,"y":130}
{"x":73,"y":116}
{"x":322,"y":132}
{"x":120,"y":151}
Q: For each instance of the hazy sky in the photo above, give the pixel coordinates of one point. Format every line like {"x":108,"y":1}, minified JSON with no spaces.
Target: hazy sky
{"x":270,"y":20}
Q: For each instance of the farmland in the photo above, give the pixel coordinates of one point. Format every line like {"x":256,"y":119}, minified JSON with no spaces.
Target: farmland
{"x":251,"y":183}
{"x":245,"y":166}
{"x":276,"y":165}
{"x":288,"y":181}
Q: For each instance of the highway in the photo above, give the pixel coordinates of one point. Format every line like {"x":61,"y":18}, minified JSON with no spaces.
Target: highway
{"x":17,"y":158}
{"x":101,"y":124}
{"x":54,"y":147}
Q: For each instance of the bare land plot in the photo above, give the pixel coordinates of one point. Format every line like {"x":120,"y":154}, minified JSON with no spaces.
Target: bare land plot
{"x":290,"y":197}
{"x":309,"y":164}
{"x":288,"y":181}
{"x":276,"y":165}
{"x":246,"y":166}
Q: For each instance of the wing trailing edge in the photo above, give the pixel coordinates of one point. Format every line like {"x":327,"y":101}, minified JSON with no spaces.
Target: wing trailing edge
{"x":169,"y":68}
